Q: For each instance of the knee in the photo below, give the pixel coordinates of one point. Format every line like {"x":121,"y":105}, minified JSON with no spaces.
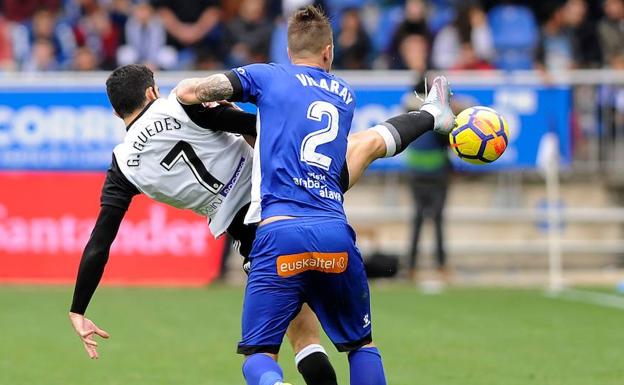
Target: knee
{"x":302,"y":338}
{"x":368,"y":144}
{"x":374,"y":144}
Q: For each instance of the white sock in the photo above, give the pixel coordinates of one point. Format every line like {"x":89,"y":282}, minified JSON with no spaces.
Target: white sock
{"x":312,"y":348}
{"x":391,"y":145}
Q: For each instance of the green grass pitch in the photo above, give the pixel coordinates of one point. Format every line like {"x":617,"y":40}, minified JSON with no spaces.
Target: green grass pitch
{"x":188,"y":336}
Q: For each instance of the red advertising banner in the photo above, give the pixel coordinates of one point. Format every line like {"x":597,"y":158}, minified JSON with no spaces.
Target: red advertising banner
{"x":46,"y":220}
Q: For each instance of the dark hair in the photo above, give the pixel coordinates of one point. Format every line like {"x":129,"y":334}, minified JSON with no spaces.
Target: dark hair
{"x":126,"y":88}
{"x":309,"y":30}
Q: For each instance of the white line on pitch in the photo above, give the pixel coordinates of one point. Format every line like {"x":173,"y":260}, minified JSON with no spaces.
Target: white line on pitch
{"x":602,"y":299}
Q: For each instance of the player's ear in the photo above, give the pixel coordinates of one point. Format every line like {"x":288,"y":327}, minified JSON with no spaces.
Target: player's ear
{"x":289,"y":55}
{"x":328,"y":56}
{"x":151,"y":94}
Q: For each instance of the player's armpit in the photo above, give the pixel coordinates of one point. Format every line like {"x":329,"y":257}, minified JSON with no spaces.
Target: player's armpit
{"x":251,"y":140}
{"x":200,"y":90}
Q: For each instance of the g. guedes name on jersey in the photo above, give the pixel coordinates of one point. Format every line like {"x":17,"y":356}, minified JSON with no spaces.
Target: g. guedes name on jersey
{"x":156,"y":127}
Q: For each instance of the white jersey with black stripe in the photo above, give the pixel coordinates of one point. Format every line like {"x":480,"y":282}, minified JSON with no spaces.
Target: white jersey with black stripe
{"x":171,"y":159}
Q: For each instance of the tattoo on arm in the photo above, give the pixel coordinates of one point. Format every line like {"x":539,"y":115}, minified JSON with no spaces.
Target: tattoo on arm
{"x":214,"y":88}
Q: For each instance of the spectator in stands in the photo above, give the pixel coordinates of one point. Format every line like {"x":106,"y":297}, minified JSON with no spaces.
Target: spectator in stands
{"x":192,"y":27}
{"x":414,"y":53}
{"x":45,"y":26}
{"x":290,"y":6}
{"x":249,"y":34}
{"x":556,"y":50}
{"x":414,"y":24}
{"x":23,"y":10}
{"x":84,"y":60}
{"x":7,"y":61}
{"x":611,"y":33}
{"x":466,"y":43}
{"x":353,"y":46}
{"x":515,"y":34}
{"x":42,"y":57}
{"x":97,"y":31}
{"x":584,"y":35}
{"x":145,"y":39}
{"x":121,"y":10}
{"x":469,"y":60}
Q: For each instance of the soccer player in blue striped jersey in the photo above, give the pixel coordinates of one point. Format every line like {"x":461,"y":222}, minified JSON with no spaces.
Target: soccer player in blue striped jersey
{"x":304,"y":251}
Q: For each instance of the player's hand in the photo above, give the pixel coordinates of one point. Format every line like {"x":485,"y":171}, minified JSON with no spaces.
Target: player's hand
{"x":229,"y":104}
{"x":87,"y":330}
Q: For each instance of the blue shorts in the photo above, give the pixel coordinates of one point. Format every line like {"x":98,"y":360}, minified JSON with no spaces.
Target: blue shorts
{"x":311,"y":260}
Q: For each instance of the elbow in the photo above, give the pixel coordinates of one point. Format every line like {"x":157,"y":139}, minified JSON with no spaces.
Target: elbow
{"x":185,"y":92}
{"x":94,"y":260}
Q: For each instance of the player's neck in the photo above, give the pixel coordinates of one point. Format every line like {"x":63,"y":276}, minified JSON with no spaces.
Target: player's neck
{"x":309,"y":63}
{"x":129,"y":119}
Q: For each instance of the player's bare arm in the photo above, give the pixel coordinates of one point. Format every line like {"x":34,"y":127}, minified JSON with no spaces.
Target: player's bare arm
{"x":202,"y":90}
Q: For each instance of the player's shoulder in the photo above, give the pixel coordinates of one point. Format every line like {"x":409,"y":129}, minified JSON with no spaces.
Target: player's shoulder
{"x":168,"y":106}
{"x":346,"y":93}
{"x":258,"y":68}
{"x":342,"y":81}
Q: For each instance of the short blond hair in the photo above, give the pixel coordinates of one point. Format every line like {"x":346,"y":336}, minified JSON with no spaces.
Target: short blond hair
{"x":309,"y":31}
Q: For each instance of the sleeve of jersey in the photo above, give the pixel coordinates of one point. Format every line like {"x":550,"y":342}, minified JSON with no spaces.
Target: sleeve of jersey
{"x":117,"y":194}
{"x":95,"y":256}
{"x":247,"y":82}
{"x":117,"y":190}
{"x":222,"y":118}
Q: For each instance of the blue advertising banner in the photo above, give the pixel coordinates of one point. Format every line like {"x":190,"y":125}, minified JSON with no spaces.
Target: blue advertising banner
{"x":74,"y":128}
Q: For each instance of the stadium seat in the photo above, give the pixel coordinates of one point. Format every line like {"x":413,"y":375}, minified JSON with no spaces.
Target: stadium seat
{"x":387,"y":21}
{"x":515,"y":34}
{"x":442,"y":14}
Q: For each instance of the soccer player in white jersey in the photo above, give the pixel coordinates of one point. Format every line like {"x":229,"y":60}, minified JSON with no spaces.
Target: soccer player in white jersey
{"x":176,"y":154}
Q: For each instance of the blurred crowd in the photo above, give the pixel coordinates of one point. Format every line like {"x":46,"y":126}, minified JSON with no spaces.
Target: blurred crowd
{"x":85,"y":35}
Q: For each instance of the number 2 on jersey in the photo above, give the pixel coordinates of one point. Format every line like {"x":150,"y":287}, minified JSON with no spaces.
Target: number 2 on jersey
{"x":183,"y":150}
{"x":316,"y":111}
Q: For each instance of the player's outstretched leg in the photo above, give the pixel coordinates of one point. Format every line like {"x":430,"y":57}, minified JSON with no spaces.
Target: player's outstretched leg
{"x":365,"y":367}
{"x":436,"y":113}
{"x":395,"y":134}
{"x":262,"y":369}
